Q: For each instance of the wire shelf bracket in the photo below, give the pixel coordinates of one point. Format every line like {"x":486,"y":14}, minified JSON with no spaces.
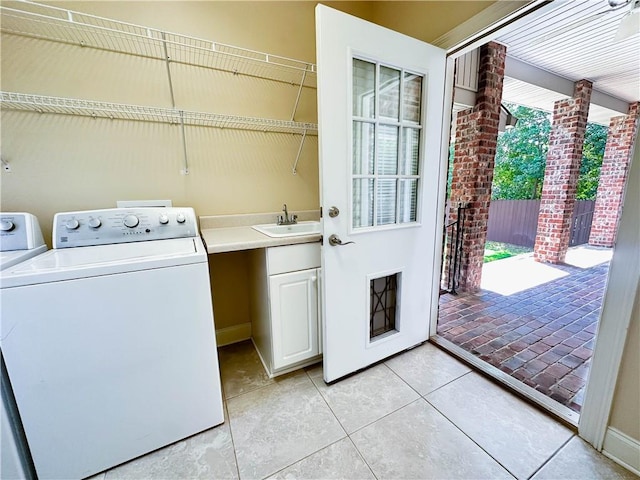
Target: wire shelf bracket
{"x":295,"y":165}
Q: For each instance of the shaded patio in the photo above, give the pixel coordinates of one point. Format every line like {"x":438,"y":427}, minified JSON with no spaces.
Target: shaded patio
{"x":534,"y":321}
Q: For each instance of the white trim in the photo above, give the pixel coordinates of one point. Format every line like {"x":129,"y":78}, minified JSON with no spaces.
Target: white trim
{"x":480,"y":27}
{"x":447,"y":111}
{"x":617,"y":308}
{"x":464,"y":97}
{"x":622,"y":449}
{"x":565,"y":414}
{"x":233,"y":334}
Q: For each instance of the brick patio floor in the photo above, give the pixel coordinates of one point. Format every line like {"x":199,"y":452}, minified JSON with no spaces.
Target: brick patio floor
{"x":542,"y":336}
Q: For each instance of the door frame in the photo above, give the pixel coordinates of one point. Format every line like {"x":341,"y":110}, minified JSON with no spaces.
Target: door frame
{"x":622,"y":286}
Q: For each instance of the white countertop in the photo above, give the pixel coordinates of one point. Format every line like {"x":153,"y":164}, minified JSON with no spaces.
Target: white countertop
{"x":232,"y":233}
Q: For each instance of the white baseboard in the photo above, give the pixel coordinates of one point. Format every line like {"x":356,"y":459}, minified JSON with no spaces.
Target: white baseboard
{"x":622,"y":449}
{"x":233,"y":334}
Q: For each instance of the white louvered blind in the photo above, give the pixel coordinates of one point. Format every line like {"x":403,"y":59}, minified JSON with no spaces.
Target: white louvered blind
{"x":386,"y":120}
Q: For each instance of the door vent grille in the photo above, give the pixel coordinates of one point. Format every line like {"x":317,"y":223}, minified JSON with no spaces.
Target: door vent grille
{"x":383,"y":308}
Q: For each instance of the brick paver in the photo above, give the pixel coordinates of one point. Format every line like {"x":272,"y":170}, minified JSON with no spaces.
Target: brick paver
{"x":542,"y":336}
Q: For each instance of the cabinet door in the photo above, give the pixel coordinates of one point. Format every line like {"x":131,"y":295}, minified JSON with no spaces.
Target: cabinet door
{"x":294,"y":317}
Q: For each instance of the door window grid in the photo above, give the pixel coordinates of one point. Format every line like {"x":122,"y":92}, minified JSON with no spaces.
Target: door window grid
{"x":386,"y":142}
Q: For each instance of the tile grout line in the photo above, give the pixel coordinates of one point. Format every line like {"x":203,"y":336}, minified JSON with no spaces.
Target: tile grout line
{"x":326,"y":446}
{"x":469,"y":437}
{"x":303,"y":458}
{"x":326,"y":403}
{"x":386,"y":414}
{"x":551,"y":457}
{"x":233,"y":443}
{"x":398,"y":375}
{"x":362,"y":456}
{"x":334,"y":416}
{"x":436,"y":389}
{"x":306,"y":456}
{"x":348,"y":435}
{"x":399,"y":408}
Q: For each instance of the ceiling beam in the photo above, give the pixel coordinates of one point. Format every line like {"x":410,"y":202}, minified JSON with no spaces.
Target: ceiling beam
{"x":527,"y":73}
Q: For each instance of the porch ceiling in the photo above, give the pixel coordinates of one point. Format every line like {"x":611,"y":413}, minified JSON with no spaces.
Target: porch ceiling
{"x":572,"y":41}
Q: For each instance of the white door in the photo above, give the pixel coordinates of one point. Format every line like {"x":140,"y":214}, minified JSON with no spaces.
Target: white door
{"x":380,"y":101}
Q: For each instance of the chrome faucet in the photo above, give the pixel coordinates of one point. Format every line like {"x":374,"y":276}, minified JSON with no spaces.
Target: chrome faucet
{"x":285,"y":219}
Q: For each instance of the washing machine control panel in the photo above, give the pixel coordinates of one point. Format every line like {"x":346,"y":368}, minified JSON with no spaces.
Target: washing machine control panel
{"x":122,"y":225}
{"x":19,"y":231}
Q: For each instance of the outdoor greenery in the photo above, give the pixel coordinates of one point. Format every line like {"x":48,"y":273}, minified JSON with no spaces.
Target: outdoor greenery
{"x":496,"y":251}
{"x":522,"y":151}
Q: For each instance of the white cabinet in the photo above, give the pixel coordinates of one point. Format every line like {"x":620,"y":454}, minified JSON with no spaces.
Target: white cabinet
{"x":285,"y":316}
{"x":294,"y":317}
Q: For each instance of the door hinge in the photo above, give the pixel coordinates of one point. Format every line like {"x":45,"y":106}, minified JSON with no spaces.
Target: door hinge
{"x":320,"y":212}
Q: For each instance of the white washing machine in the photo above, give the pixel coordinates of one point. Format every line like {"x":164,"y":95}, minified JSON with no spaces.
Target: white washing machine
{"x":109,"y":339}
{"x":20,"y":239}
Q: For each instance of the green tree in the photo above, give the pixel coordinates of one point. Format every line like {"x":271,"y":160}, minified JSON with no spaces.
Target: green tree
{"x":522,"y":151}
{"x":595,"y":139}
{"x":521,"y":155}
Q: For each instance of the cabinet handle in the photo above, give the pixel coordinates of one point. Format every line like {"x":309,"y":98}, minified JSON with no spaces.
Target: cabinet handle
{"x":314,"y":279}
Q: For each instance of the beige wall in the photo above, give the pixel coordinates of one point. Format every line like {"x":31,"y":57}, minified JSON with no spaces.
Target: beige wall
{"x":72,"y":163}
{"x":62,"y":163}
{"x":65,"y":163}
{"x":426,"y":20}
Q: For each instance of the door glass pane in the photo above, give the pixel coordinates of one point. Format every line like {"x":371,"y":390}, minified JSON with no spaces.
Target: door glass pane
{"x":362,"y":202}
{"x":408,"y":201}
{"x":364,"y":82}
{"x":386,"y":201}
{"x":387,"y":150}
{"x":410,"y":152}
{"x":389,"y":93}
{"x":412,"y":98}
{"x":363,"y":147}
{"x":386,"y":133}
{"x":383,"y":305}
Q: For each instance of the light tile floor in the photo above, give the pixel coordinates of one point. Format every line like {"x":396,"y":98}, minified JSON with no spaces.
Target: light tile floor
{"x":421,"y":414}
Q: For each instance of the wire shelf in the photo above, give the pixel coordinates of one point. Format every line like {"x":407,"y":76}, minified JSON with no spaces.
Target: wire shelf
{"x":67,"y":26}
{"x":119,"y":111}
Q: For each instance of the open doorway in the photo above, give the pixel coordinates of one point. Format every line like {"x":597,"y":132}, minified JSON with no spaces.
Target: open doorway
{"x":517,"y":72}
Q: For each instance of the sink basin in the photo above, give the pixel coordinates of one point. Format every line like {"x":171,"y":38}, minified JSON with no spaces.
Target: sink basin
{"x":300,"y":228}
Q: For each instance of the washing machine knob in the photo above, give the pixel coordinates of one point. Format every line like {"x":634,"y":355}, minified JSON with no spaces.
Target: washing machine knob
{"x":131,"y":221}
{"x":95,"y":223}
{"x":6,"y":225}
{"x":164,"y":219}
{"x":180,"y":218}
{"x":72,"y":224}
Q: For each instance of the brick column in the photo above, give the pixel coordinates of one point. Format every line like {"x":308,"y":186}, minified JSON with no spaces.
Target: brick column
{"x":473,"y":162}
{"x":613,"y":176}
{"x":561,"y":175}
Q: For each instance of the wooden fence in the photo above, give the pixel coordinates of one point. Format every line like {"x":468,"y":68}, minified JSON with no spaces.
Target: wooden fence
{"x":516,"y":222}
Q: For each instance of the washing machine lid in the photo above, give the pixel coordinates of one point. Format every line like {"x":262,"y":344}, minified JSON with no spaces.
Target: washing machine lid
{"x":13,"y":257}
{"x":84,"y":262}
